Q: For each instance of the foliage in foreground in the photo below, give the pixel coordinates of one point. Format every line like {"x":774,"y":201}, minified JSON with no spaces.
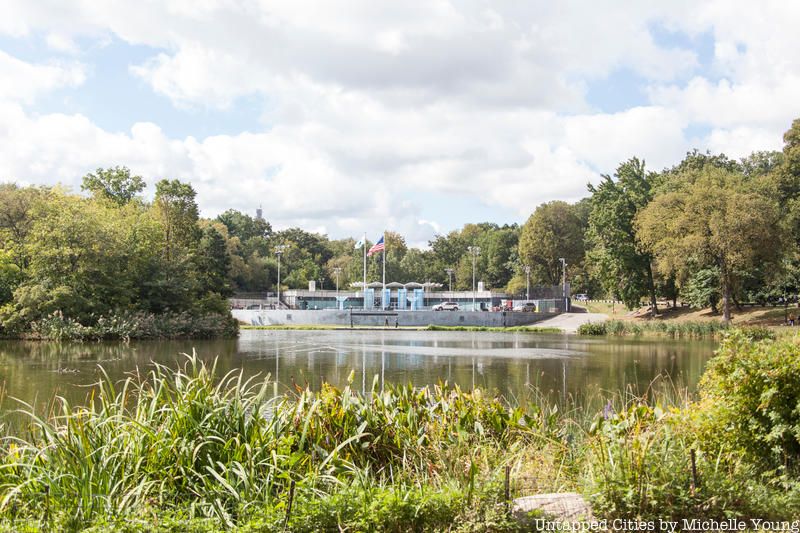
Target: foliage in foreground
{"x":184,"y":443}
{"x":744,"y":433}
{"x":183,"y":448}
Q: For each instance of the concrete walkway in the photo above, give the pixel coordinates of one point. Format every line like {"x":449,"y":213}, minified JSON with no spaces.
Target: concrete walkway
{"x":569,"y":322}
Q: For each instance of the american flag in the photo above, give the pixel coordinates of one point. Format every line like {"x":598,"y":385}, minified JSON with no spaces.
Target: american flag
{"x":377,"y":247}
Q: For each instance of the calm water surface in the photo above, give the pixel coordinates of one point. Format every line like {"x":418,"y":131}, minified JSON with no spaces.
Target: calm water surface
{"x":560,"y":365}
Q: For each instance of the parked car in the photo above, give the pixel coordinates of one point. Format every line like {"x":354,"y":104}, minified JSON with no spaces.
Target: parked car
{"x":527,"y":307}
{"x":582,"y":297}
{"x":446,"y":306}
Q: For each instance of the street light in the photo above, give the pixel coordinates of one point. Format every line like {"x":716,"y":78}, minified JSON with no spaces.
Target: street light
{"x":450,"y":277}
{"x":279,"y":251}
{"x":564,"y":281}
{"x":337,"y":271}
{"x":474,"y":251}
{"x":527,"y":270}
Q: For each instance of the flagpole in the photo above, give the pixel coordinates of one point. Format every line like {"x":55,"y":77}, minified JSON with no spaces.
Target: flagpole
{"x":364,"y":287}
{"x":384,"y":261}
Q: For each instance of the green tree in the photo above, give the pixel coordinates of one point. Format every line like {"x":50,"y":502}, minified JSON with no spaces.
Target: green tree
{"x":10,"y":276}
{"x":114,"y":184}
{"x":701,"y":289}
{"x":172,"y":283}
{"x":176,"y":209}
{"x":553,"y":231}
{"x":17,"y":205}
{"x":87,"y":258}
{"x":244,"y":226}
{"x":623,"y":265}
{"x":712,"y":217}
{"x":213,"y":262}
{"x":396,"y":249}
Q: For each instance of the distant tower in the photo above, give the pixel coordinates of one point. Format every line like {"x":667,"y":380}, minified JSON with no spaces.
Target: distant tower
{"x":259,"y":214}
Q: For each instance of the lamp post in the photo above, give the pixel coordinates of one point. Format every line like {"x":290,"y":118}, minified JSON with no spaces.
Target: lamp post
{"x":337,"y":271}
{"x":450,"y":278}
{"x":279,"y":252}
{"x":474,"y":251}
{"x":527,"y":270}
{"x":564,"y":281}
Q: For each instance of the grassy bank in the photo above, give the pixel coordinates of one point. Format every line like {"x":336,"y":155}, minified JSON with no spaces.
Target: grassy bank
{"x":527,"y":329}
{"x":676,"y":330}
{"x":183,"y":448}
{"x":300,"y":327}
{"x":130,"y":326}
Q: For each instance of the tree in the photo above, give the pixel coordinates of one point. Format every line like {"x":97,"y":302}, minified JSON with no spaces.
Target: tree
{"x":618,"y":259}
{"x":702,"y":289}
{"x":17,"y":205}
{"x":244,"y":226}
{"x":114,"y":184}
{"x":10,"y":276}
{"x":396,"y":248}
{"x":175,"y":207}
{"x":172,"y":284}
{"x":713,"y":217}
{"x":213,"y":262}
{"x":553,"y":231}
{"x":87,"y":252}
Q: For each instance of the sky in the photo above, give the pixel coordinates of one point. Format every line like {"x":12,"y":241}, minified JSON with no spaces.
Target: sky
{"x":354,"y":116}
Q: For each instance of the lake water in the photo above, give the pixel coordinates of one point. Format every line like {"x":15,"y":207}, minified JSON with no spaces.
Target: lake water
{"x":560,"y":365}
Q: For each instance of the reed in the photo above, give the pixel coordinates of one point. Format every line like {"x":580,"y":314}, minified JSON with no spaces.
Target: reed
{"x":524,"y":329}
{"x":185,"y":441}
{"x":184,"y":448}
{"x":671,"y":329}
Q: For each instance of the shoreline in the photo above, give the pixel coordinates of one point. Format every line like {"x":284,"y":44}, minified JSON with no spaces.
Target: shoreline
{"x":430,"y":327}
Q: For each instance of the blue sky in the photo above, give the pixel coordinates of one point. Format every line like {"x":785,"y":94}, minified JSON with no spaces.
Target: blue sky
{"x":347,"y":117}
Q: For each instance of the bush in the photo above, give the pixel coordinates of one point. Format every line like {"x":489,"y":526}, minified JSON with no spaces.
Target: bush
{"x":750,"y":401}
{"x":592,"y":328}
{"x":661,"y":328}
{"x":138,"y":325}
{"x":639,"y":466}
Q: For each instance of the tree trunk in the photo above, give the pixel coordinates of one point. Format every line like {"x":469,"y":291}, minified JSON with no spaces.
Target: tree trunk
{"x":651,"y":286}
{"x":726,"y":299}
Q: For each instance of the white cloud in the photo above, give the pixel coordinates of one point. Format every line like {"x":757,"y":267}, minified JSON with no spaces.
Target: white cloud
{"x":25,"y":81}
{"x":372,"y":105}
{"x":61,"y":43}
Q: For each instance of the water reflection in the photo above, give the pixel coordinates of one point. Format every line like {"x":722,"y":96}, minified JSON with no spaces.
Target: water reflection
{"x":558,"y":365}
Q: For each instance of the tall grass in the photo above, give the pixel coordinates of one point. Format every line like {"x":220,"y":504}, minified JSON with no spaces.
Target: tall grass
{"x":676,"y":330}
{"x":177,"y":445}
{"x":525,"y":329}
{"x":187,"y":442}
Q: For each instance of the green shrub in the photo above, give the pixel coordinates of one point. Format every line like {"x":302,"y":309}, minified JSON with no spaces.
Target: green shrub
{"x":638,"y":462}
{"x":750,"y":401}
{"x":139,"y":325}
{"x":592,"y":328}
{"x":662,"y":328}
{"x":639,"y":466}
{"x":758,"y":333}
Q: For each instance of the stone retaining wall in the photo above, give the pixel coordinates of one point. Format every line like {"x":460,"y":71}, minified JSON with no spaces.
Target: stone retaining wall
{"x":379,"y":318}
